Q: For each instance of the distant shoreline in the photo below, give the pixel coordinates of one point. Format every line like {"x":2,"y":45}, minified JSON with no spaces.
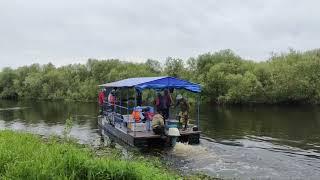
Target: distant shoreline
{"x":226,"y":78}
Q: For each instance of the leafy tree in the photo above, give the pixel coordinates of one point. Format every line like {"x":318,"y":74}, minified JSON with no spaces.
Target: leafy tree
{"x":174,"y":67}
{"x":7,"y":77}
{"x":292,"y":77}
{"x":154,"y":66}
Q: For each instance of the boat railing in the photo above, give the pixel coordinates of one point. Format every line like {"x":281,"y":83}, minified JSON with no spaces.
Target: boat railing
{"x":116,"y":105}
{"x":119,"y":119}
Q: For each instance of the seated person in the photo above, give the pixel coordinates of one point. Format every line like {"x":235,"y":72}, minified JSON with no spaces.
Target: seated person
{"x":158,"y":124}
{"x":148,"y":115}
{"x":137,"y":114}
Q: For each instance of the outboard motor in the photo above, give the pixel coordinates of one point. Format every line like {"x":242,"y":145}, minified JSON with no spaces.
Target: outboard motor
{"x":173,"y":134}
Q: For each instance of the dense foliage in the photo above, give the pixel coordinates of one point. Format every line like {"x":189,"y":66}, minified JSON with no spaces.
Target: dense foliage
{"x":293,"y":77}
{"x":75,"y":82}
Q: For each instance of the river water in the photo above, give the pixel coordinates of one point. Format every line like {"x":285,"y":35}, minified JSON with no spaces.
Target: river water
{"x":258,"y":142}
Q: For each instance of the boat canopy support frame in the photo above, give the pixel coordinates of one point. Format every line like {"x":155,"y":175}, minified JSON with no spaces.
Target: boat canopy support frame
{"x":156,"y":83}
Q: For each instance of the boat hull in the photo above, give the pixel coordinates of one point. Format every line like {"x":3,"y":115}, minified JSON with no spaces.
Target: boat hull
{"x":147,"y":138}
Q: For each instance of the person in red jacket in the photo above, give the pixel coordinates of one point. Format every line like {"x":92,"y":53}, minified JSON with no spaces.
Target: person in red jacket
{"x":101,"y":100}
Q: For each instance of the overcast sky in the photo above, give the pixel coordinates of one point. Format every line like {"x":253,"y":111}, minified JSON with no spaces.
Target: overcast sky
{"x":70,"y":31}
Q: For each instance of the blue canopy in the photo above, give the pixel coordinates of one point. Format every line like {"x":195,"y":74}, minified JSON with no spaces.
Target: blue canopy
{"x":163,"y":82}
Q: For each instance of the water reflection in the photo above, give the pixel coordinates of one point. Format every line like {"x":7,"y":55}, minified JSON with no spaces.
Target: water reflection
{"x":289,"y":123}
{"x":47,"y":118}
{"x":50,"y":113}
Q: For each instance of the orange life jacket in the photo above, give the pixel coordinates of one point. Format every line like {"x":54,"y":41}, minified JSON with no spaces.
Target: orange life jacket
{"x":136,"y":116}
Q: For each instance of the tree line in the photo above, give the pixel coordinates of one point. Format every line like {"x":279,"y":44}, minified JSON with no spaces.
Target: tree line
{"x":226,"y":78}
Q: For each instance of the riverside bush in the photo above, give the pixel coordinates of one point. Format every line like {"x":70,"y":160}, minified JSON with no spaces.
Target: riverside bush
{"x":287,"y":78}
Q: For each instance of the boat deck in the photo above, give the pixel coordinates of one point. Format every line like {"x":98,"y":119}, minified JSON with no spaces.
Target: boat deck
{"x":150,"y":134}
{"x":141,"y":138}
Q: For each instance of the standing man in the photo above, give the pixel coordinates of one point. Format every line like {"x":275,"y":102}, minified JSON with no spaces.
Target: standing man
{"x":139,"y":98}
{"x":101,"y":99}
{"x":112,"y":99}
{"x":158,"y":102}
{"x":167,"y":101}
{"x":184,"y":110}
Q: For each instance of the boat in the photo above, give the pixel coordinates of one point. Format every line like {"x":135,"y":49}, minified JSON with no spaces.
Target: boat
{"x":116,"y":120}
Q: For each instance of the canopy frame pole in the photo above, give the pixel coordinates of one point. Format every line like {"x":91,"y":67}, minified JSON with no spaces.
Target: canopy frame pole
{"x":198,"y":112}
{"x":135,"y":97}
{"x":135,"y":105}
{"x":120,"y":103}
{"x":127,"y":101}
{"x":128,"y":121}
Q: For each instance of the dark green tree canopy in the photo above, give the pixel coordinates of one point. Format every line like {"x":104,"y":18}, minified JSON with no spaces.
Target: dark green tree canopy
{"x":292,"y":77}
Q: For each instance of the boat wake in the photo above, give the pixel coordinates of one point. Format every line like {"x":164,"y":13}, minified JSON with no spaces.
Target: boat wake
{"x":247,"y":158}
{"x":185,"y":150}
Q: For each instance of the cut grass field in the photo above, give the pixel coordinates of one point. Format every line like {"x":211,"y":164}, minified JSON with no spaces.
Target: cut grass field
{"x":28,"y":156}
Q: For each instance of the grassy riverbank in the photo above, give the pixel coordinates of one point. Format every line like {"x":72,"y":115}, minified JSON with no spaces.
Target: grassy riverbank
{"x":27,"y":156}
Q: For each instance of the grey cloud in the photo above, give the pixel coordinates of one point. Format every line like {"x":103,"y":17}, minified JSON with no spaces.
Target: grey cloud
{"x":71,"y":31}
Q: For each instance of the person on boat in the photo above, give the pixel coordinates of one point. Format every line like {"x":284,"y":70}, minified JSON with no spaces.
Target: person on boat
{"x":148,"y":113}
{"x":158,"y":102}
{"x":184,"y":110}
{"x":101,"y":99}
{"x":137,"y":114}
{"x":158,"y":124}
{"x":139,"y":98}
{"x":166,"y":103}
{"x":112,"y":99}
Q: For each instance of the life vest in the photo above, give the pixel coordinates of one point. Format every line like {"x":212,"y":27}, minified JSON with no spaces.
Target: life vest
{"x":136,"y":116}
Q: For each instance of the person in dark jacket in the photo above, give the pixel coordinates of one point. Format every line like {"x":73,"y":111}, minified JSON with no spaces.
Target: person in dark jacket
{"x":139,"y":98}
{"x":167,"y":101}
{"x":158,"y":102}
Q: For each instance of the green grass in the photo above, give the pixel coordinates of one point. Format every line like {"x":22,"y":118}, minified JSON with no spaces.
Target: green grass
{"x":28,"y":156}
